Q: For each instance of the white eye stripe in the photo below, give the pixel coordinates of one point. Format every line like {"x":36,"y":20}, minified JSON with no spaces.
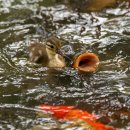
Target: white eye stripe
{"x":48,"y":43}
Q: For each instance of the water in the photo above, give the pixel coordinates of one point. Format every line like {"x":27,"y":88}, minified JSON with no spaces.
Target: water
{"x":23,"y":86}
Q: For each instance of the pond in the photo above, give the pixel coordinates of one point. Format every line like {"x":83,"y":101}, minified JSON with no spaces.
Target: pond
{"x":23,"y":85}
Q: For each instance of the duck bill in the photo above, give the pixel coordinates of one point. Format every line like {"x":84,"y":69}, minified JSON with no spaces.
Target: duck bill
{"x":86,"y":62}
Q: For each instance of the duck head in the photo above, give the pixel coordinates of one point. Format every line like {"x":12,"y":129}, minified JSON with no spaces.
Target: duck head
{"x":47,"y":54}
{"x":53,"y":45}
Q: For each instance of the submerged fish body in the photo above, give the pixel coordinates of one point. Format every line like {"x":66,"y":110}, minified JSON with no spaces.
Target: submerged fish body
{"x":80,"y":118}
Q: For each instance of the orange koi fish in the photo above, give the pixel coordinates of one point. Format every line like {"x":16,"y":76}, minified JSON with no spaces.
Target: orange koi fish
{"x":71,"y":113}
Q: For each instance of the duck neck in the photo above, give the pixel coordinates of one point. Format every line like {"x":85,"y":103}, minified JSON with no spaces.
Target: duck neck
{"x":51,"y":54}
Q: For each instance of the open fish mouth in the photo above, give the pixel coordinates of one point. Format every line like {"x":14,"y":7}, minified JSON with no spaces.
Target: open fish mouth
{"x":86,"y":62}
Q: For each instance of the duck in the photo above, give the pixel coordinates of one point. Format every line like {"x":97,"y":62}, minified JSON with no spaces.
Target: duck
{"x":47,"y":53}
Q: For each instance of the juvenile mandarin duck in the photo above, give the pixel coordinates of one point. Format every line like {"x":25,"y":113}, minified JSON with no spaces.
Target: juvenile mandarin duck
{"x":47,"y":54}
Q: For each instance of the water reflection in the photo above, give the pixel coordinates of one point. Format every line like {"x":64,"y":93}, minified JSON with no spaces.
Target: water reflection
{"x":106,"y":33}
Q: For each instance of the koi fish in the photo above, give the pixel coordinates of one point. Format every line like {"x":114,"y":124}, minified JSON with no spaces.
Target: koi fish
{"x":71,"y":113}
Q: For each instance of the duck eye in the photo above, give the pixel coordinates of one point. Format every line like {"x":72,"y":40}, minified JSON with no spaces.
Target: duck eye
{"x":51,"y":46}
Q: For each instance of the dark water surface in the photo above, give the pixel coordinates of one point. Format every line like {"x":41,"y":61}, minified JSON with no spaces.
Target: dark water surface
{"x":105,"y":93}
